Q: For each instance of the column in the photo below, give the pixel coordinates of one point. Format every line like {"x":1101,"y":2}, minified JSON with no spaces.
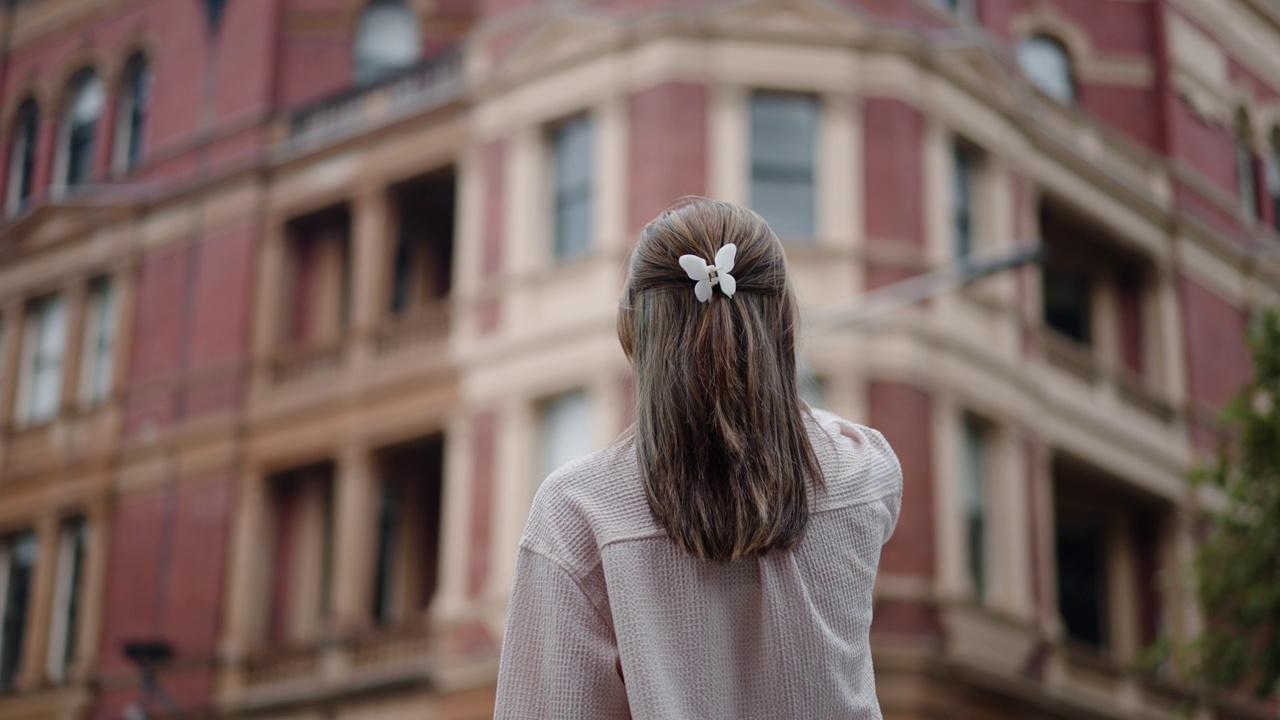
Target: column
{"x":351,"y":588}
{"x":92,"y":589}
{"x":729,"y":138}
{"x":10,"y":358}
{"x":270,"y":301}
{"x":40,"y":603}
{"x":76,"y":295}
{"x":125,"y":280}
{"x":371,"y":254}
{"x":246,"y":598}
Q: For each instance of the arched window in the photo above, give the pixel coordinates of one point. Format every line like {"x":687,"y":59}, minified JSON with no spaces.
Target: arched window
{"x":1246,"y":169}
{"x":131,"y":120}
{"x":388,"y":39}
{"x":1046,"y":63}
{"x":22,"y":157}
{"x":79,"y":129}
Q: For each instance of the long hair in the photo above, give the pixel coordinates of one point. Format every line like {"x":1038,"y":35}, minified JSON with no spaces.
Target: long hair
{"x":719,"y":431}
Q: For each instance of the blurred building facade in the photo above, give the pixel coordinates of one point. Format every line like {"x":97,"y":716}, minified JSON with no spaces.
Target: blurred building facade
{"x":301,"y":298}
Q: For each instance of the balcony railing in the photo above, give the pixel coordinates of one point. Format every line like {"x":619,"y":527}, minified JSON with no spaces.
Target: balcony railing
{"x":428,"y":84}
{"x":425,"y":326}
{"x":1082,"y":362}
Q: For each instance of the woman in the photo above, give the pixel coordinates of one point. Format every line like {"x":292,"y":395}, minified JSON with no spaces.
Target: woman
{"x":718,"y":561}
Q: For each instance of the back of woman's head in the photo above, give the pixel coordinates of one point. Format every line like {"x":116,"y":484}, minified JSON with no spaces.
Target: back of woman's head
{"x":719,"y":429}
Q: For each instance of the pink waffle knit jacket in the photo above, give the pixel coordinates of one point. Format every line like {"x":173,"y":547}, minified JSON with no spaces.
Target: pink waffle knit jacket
{"x":608,"y":619}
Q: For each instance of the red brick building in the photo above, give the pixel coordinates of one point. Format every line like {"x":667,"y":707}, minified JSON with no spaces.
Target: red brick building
{"x":299,"y":299}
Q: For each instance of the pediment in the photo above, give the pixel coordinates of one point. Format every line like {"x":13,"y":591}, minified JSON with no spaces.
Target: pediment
{"x":791,"y":19}
{"x":559,"y":42}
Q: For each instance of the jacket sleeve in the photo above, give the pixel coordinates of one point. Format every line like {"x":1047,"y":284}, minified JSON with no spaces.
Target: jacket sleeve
{"x":559,"y":653}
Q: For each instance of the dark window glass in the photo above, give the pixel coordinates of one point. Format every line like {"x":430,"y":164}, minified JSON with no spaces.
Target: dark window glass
{"x":573,"y":180}
{"x":1066,"y":303}
{"x":81,"y":127}
{"x":20,"y":558}
{"x":137,"y":98}
{"x":384,"y":566}
{"x":1082,"y":586}
{"x":975,"y":504}
{"x":784,"y":131}
{"x":963,"y":163}
{"x":22,"y":157}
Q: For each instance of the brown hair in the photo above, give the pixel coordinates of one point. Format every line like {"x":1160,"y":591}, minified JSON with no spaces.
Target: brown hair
{"x":719,"y":431}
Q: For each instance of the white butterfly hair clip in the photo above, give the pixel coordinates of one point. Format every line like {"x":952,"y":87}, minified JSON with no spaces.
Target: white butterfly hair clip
{"x":711,"y":275}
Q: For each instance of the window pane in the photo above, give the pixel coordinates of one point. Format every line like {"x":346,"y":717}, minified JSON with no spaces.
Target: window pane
{"x":962,"y":200}
{"x":783,"y":140}
{"x":22,"y":157}
{"x":384,"y":566}
{"x":1273,"y":181}
{"x":132,"y":117}
{"x":1245,"y":174}
{"x":1046,"y":64}
{"x":1082,"y":581}
{"x":566,"y":430}
{"x":63,"y":630}
{"x":19,"y":561}
{"x":572,"y":175}
{"x":1066,"y":303}
{"x":973,"y":470}
{"x":81,"y":131}
{"x":786,"y":206}
{"x":98,"y":351}
{"x":44,"y":374}
{"x":388,"y":39}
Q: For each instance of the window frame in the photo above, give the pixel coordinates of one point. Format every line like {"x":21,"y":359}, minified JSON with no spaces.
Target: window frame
{"x":21,"y":168}
{"x":33,"y":362}
{"x":78,"y":138}
{"x":366,"y":70}
{"x":553,"y":408}
{"x":99,"y":339}
{"x":1070,"y":95}
{"x":132,"y":113}
{"x":68,"y":598}
{"x":567,"y":191}
{"x":8,"y":546}
{"x":795,"y":173}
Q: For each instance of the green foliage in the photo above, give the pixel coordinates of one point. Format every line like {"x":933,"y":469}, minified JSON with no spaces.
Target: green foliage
{"x":1238,"y":564}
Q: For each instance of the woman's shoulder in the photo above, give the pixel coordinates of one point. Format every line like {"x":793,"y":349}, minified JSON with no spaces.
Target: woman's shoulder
{"x":857,"y":462}
{"x":587,"y":504}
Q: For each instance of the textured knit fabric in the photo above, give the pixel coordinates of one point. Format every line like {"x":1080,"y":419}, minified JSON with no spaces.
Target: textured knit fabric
{"x":608,"y":619}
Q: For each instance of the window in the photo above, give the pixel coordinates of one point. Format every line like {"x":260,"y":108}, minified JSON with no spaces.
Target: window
{"x":964,"y":163}
{"x":1045,"y":62}
{"x":572,"y":178}
{"x":97,"y":359}
{"x":566,"y":430}
{"x":973,"y":491}
{"x":1246,"y":170}
{"x":387,"y":39}
{"x":1107,"y":549}
{"x":131,"y":122}
{"x":1082,"y":579}
{"x":784,"y":130}
{"x":422,"y":265}
{"x":43,"y":342}
{"x":319,"y":310}
{"x":79,"y":129}
{"x":17,"y":566}
{"x":1067,"y":303}
{"x":64,"y":625}
{"x":301,"y":553}
{"x":22,"y":157}
{"x":408,"y":531}
{"x":964,"y":8}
